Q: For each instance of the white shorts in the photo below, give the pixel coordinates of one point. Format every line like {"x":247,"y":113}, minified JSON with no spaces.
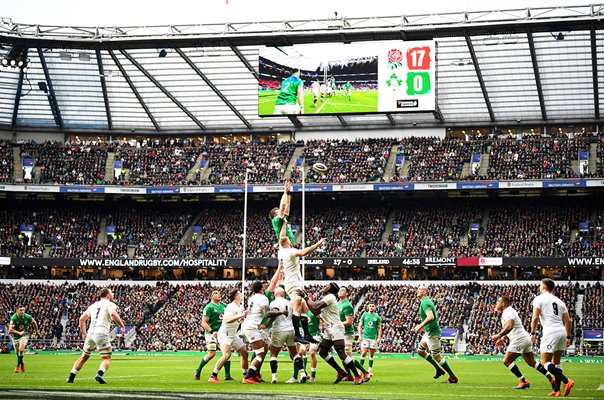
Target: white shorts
{"x":334,"y":332}
{"x":291,"y":288}
{"x":433,"y":342}
{"x":212,"y":343}
{"x":553,"y":342}
{"x":369,"y":343}
{"x":97,"y":341}
{"x":520,"y":346}
{"x":285,"y":109}
{"x":279,"y":339}
{"x":17,"y":342}
{"x":234,"y":341}
{"x":254,"y":334}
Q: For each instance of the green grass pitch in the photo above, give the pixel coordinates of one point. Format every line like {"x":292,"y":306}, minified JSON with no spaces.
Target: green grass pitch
{"x":393,"y":378}
{"x":360,"y":102}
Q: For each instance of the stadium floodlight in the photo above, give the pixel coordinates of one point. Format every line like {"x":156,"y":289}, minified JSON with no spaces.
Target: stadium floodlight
{"x":5,"y":62}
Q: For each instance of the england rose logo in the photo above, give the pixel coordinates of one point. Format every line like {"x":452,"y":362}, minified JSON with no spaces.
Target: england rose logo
{"x":395,"y":58}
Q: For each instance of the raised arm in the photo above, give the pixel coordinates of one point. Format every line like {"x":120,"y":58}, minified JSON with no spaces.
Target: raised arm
{"x":276,"y":277}
{"x":308,"y":250}
{"x":286,"y":199}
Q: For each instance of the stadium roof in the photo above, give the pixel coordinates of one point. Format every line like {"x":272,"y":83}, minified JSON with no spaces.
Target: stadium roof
{"x":528,"y":66}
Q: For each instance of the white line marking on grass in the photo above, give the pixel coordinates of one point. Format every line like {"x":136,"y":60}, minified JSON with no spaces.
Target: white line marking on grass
{"x":322,"y":105}
{"x":109,"y":377}
{"x":601,"y":387}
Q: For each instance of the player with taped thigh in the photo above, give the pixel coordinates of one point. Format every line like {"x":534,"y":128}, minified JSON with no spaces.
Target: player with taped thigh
{"x":18,"y":329}
{"x":228,"y":336}
{"x":290,"y":258}
{"x":429,"y":346}
{"x":346,"y":316}
{"x":283,"y":335}
{"x":333,"y":336}
{"x":555,"y":321}
{"x":519,"y":345}
{"x":370,"y":332}
{"x":252,"y":328}
{"x":211,"y":322}
{"x":100,"y":315}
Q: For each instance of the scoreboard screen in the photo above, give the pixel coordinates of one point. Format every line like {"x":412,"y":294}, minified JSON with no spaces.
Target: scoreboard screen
{"x":347,"y":78}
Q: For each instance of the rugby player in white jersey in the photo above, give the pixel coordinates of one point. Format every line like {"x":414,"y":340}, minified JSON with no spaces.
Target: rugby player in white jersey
{"x":228,"y":336}
{"x":556,"y":333}
{"x":254,"y":330}
{"x":519,"y":342}
{"x":282,"y":334}
{"x":100,"y":315}
{"x":333,"y":336}
{"x":289,"y":257}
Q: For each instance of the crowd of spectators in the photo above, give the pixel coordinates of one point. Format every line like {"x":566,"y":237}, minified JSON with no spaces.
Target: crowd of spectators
{"x":434,"y":159}
{"x":535,"y":158}
{"x":360,"y":160}
{"x":67,"y":163}
{"x":349,"y":230}
{"x":539,"y":230}
{"x":156,"y":233}
{"x":169,"y":161}
{"x":267,"y":162}
{"x":424,"y":231}
{"x":155,"y":166}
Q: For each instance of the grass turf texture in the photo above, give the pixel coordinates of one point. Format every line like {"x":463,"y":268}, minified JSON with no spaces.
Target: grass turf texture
{"x":361,"y":102}
{"x":393,"y":378}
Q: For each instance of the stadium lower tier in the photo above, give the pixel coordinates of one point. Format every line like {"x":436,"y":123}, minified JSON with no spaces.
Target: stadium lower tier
{"x":165,"y":316}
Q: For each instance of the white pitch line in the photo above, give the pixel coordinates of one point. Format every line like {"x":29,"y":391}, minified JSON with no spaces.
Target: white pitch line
{"x":320,"y":108}
{"x":601,"y":387}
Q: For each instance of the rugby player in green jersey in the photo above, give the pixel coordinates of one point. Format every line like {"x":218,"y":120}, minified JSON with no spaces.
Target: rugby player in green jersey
{"x":211,"y":322}
{"x":314,"y":327}
{"x":346,"y":312}
{"x":19,"y":330}
{"x":370,"y":331}
{"x":348,"y":90}
{"x":429,"y":346}
{"x":290,"y":99}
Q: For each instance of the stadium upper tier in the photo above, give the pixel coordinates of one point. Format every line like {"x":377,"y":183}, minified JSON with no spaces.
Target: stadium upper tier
{"x":181,"y":163}
{"x":538,"y":65}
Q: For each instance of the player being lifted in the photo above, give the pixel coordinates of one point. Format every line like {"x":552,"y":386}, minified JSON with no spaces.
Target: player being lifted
{"x":290,"y":258}
{"x":292,"y":276}
{"x":100,"y":315}
{"x":290,"y":99}
{"x":283,"y":334}
{"x":370,"y":331}
{"x":333,"y":336}
{"x":346,"y":316}
{"x":429,"y":346}
{"x":211,"y":323}
{"x":228,"y":337}
{"x":18,"y":329}
{"x":254,"y":331}
{"x":519,"y":342}
{"x":556,"y":324}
